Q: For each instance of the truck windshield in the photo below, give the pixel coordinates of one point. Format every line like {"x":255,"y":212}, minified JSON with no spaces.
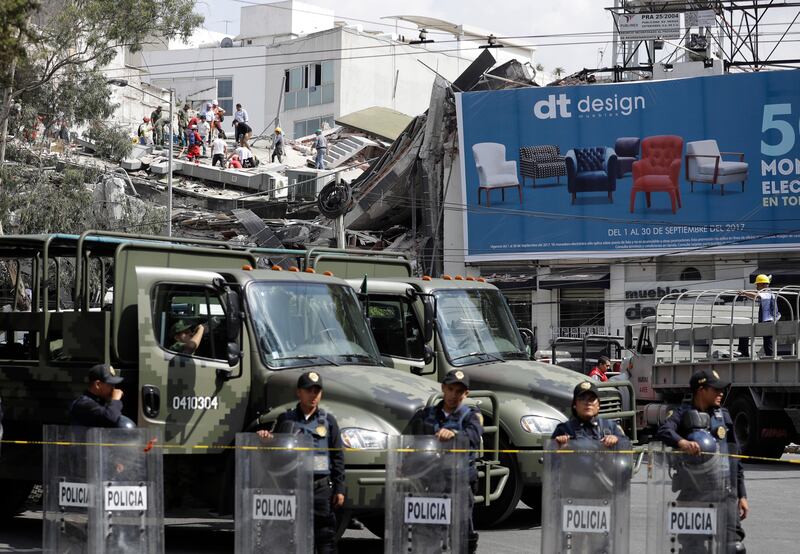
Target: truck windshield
{"x":304,"y":324}
{"x":476,"y":326}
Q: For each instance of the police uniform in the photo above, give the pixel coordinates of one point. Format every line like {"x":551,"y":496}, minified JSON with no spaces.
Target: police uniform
{"x":595,"y":428}
{"x":89,"y":410}
{"x":721,"y":428}
{"x":466,"y":421}
{"x":328,"y":461}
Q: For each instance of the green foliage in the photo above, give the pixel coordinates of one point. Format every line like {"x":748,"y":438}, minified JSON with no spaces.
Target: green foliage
{"x":44,"y":205}
{"x":15,"y":31}
{"x":32,"y":202}
{"x":67,"y":43}
{"x":76,"y":96}
{"x":110,"y":142}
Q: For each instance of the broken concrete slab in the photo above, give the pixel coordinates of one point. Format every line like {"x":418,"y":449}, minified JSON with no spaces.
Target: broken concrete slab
{"x":161,"y":167}
{"x":140,"y":150}
{"x":131,"y":164}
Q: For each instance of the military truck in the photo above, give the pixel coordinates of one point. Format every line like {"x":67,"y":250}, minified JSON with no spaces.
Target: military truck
{"x":703,"y":329}
{"x":475,"y":332}
{"x":264,"y":328}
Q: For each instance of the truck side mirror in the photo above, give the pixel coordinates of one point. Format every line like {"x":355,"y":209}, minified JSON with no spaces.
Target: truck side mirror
{"x":234,"y":353}
{"x":427,"y":357}
{"x":629,"y":337}
{"x":232,"y":304}
{"x":429,"y":309}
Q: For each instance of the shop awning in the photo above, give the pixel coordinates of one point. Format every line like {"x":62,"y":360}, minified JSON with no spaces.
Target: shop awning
{"x":378,"y":121}
{"x":780,"y":275}
{"x":575,"y":280}
{"x":513,"y":283}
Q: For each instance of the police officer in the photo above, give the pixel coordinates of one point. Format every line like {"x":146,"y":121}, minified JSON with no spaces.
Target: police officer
{"x":101,"y":404}
{"x":308,"y":418}
{"x":449,"y":418}
{"x":584,"y":423}
{"x":707,"y":393}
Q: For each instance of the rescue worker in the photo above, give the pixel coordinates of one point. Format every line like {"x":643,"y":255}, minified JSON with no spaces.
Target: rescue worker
{"x":708,"y":391}
{"x":449,"y":418}
{"x":767,"y":311}
{"x":584,"y":423}
{"x":307,"y":418}
{"x":158,"y":127}
{"x":598,"y":372}
{"x":183,"y":125}
{"x":187,"y":337}
{"x":239,"y":117}
{"x":101,"y":404}
{"x":321,"y":146}
{"x":277,"y":146}
{"x":145,"y":132}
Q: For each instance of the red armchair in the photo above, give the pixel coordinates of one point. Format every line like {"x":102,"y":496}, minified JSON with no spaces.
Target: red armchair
{"x":659,"y":169}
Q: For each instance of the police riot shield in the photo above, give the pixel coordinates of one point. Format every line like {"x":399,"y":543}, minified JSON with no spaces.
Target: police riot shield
{"x":67,"y":493}
{"x":427,"y":495}
{"x":274,"y":494}
{"x":689,"y":501}
{"x":127,"y":512}
{"x":586,"y":497}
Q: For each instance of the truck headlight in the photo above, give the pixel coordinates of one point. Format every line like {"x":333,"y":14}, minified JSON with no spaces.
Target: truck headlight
{"x":353,"y":437}
{"x":539,"y":424}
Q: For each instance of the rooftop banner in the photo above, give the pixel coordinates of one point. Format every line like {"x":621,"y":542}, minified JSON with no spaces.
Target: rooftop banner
{"x":648,"y":26}
{"x":632,"y":169}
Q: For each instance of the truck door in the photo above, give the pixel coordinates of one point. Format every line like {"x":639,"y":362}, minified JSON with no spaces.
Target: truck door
{"x":397,"y":330}
{"x":182,"y":389}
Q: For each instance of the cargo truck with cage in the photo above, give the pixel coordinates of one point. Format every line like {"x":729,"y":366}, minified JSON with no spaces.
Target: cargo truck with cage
{"x":720,"y":330}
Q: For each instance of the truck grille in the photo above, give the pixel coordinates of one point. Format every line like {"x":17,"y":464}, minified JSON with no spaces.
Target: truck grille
{"x":610,"y":401}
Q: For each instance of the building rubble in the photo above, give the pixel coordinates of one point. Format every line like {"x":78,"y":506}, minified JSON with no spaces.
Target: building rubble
{"x":397,"y":187}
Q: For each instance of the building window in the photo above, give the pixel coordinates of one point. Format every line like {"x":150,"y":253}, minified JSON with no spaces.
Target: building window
{"x":308,"y":85}
{"x":225,"y":95}
{"x":309,"y":126}
{"x":691,"y":274}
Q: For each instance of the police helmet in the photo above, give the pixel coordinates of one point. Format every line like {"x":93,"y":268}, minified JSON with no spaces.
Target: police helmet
{"x":708,"y":446}
{"x":124,"y":422}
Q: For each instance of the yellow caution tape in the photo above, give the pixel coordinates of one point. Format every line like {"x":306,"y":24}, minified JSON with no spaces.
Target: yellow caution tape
{"x":152,"y":444}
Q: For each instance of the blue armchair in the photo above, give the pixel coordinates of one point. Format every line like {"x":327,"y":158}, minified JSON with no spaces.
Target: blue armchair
{"x":591,"y":170}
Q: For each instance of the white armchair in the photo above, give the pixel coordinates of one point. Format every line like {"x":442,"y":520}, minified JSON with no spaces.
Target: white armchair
{"x":704,"y":164}
{"x":494,"y":171}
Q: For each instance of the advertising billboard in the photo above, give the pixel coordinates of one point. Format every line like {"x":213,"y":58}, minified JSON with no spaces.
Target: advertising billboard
{"x":632,"y":169}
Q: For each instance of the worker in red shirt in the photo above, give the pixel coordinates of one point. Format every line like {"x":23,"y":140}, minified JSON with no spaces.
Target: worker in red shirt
{"x":598,"y":373}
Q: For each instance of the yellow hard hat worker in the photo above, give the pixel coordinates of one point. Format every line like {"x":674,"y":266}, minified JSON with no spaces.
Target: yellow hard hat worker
{"x":278,"y":130}
{"x":762,"y":279}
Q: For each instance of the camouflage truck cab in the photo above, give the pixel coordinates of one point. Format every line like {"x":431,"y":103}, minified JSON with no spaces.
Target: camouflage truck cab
{"x":475,"y":332}
{"x":114,"y":298}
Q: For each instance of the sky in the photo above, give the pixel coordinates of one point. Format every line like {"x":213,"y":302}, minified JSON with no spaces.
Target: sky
{"x":505,"y":18}
{"x":515,"y":18}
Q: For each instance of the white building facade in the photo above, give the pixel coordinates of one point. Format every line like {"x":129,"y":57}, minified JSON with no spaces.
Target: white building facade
{"x":295,"y":66}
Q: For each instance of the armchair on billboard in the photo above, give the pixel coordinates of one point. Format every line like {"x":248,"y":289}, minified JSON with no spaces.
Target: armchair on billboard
{"x":635,"y":168}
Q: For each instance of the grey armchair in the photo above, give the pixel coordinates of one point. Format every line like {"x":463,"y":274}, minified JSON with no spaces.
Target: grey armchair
{"x":704,"y":164}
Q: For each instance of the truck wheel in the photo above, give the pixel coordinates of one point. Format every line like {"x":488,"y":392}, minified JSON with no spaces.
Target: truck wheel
{"x":532,"y":496}
{"x":15,"y":495}
{"x":745,"y":423}
{"x":500,"y":509}
{"x":376,"y":524}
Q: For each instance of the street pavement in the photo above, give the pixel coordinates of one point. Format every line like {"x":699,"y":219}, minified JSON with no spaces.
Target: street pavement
{"x":773,"y":526}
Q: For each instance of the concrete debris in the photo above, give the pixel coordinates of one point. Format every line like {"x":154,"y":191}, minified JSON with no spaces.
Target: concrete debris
{"x":397,"y":187}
